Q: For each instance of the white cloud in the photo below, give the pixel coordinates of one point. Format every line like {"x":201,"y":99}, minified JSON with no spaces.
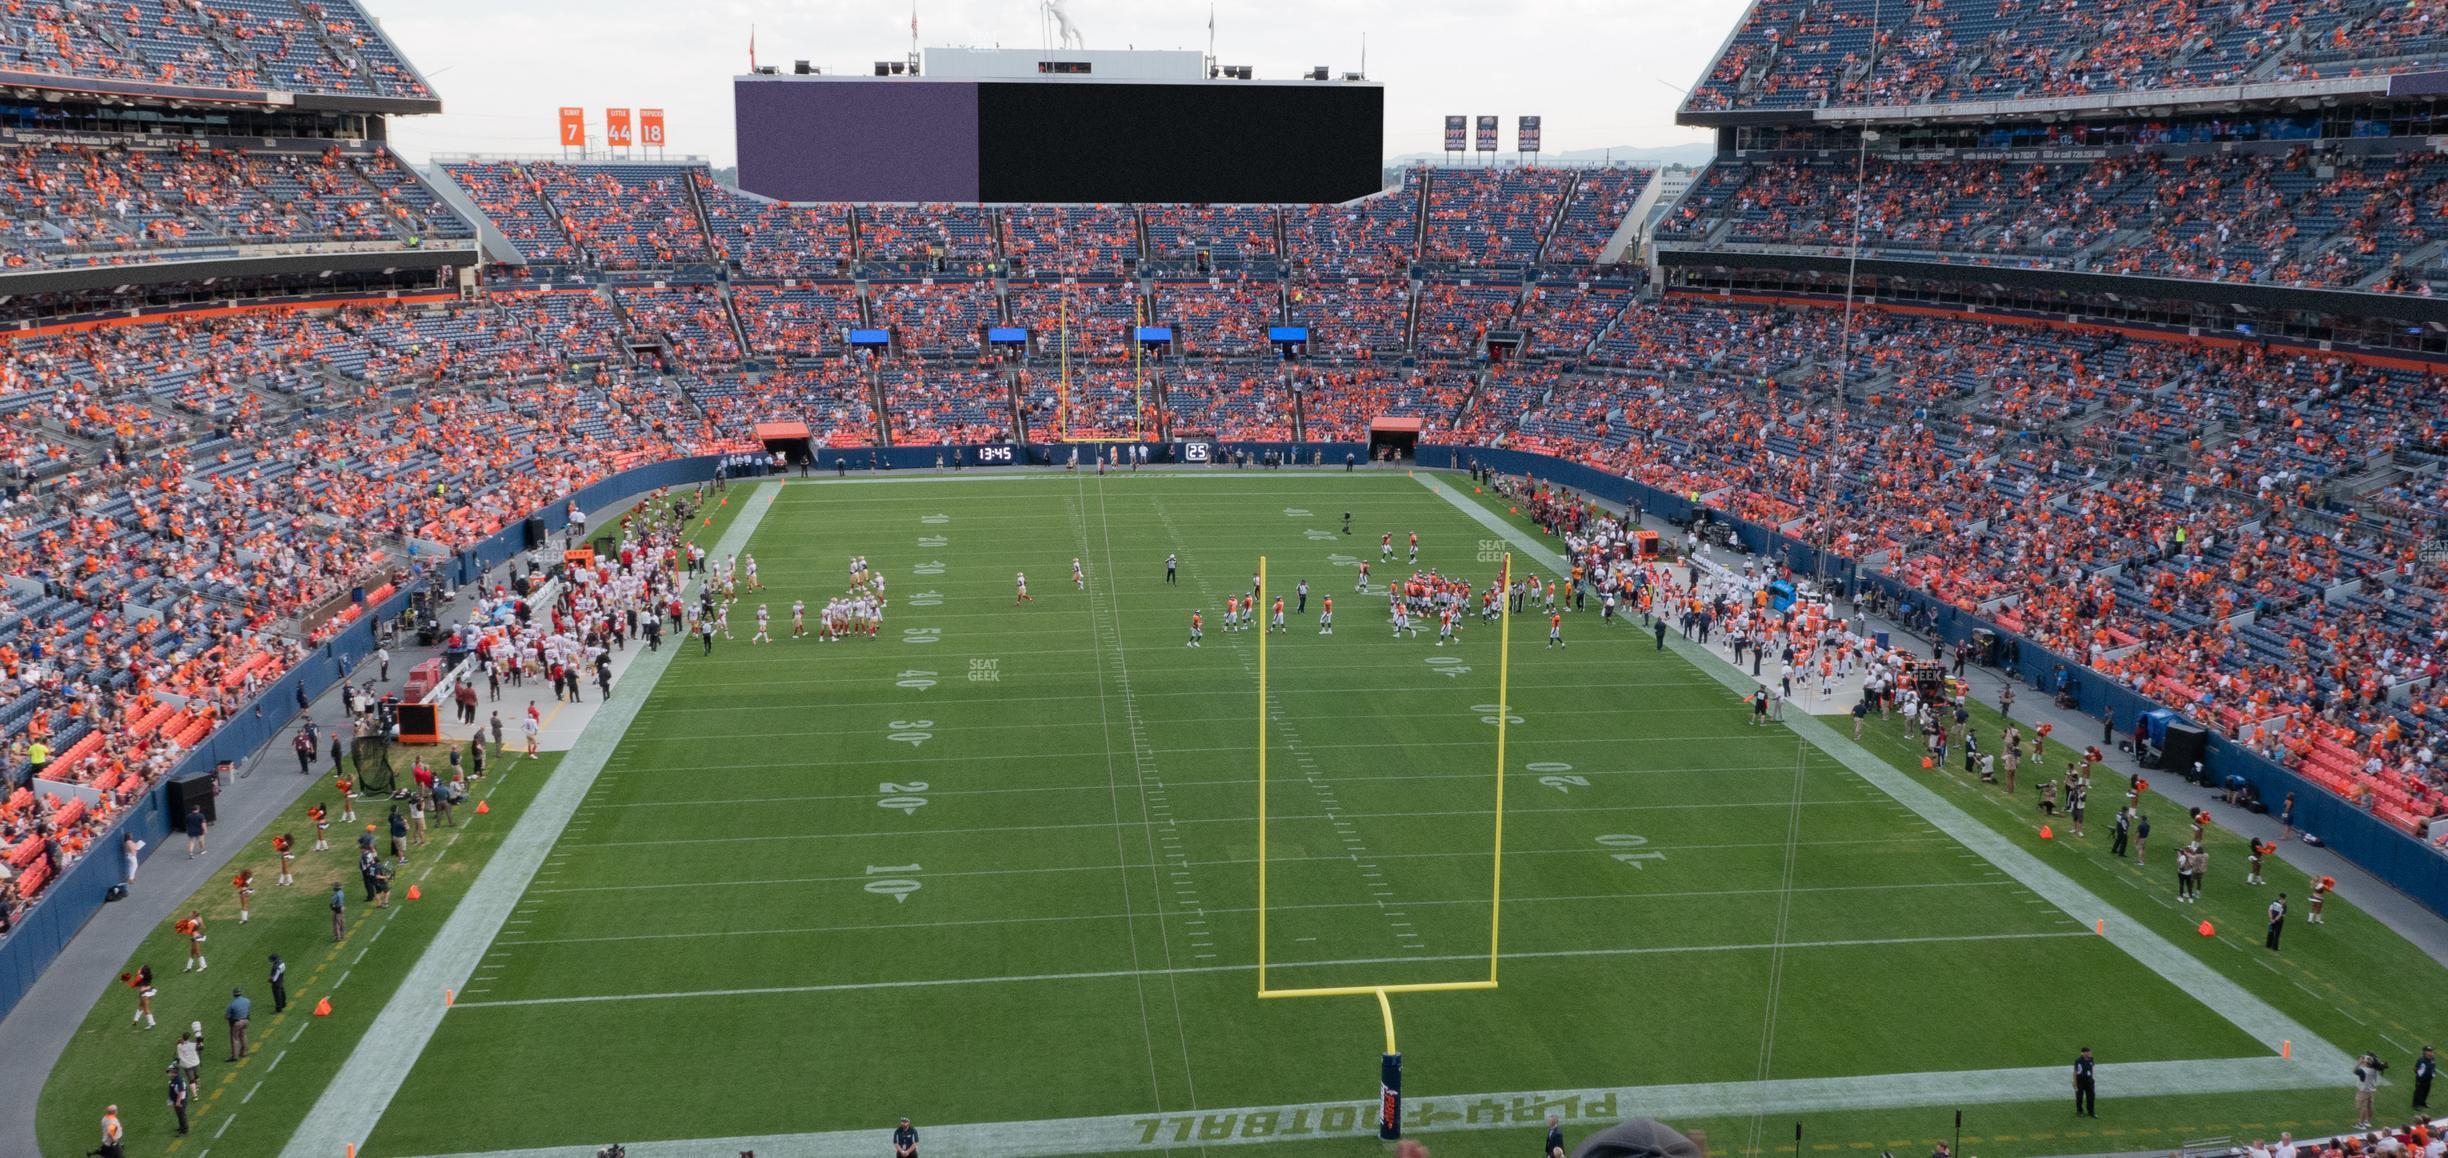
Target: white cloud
{"x":1598,"y":71}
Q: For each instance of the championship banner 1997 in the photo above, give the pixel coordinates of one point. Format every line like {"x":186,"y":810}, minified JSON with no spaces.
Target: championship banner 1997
{"x":1487,"y":134}
{"x":1457,"y":134}
{"x":1526,"y":135}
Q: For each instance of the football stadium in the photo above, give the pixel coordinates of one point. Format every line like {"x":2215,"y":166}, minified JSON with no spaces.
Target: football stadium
{"x":1921,"y":634}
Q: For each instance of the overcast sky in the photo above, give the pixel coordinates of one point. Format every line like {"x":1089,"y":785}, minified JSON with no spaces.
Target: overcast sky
{"x":1596,"y":70}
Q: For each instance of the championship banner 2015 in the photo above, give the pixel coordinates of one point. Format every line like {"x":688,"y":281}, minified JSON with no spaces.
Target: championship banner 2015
{"x":1457,"y":134}
{"x":573,"y":128}
{"x":650,"y":128}
{"x":1487,"y":134}
{"x":1526,"y":135}
{"x":616,"y":128}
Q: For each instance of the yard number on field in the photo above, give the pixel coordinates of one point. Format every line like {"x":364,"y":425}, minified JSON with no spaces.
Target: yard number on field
{"x":897,"y":881}
{"x":910,"y":732}
{"x":915,"y":680}
{"x":903,"y":797}
{"x":1551,"y":775}
{"x":1625,"y":840}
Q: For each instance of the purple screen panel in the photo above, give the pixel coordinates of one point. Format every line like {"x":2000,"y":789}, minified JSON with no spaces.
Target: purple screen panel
{"x":824,"y":140}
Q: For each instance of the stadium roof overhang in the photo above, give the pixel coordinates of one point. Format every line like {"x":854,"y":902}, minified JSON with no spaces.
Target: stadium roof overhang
{"x":2097,"y":106}
{"x":45,"y":87}
{"x":2336,"y":303}
{"x":236,"y":267}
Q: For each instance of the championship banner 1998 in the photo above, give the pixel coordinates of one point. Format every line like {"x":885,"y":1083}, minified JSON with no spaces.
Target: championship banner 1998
{"x":1526,"y":134}
{"x":1457,"y":134}
{"x":1487,"y":134}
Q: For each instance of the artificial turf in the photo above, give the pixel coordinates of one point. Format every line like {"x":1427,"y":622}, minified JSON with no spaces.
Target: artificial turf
{"x":1000,"y":865}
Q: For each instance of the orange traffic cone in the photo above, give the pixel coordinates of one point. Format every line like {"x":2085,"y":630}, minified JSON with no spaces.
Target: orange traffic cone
{"x":2046,"y":833}
{"x":482,"y":808}
{"x":323,"y":1008}
{"x":414,"y":894}
{"x":1927,"y":763}
{"x":446,"y":998}
{"x":2207,"y":931}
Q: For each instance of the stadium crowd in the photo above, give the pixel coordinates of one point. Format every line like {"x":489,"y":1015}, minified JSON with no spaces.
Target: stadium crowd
{"x":2229,"y":527}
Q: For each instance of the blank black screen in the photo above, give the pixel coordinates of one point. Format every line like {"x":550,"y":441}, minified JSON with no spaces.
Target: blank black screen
{"x":1218,"y":142}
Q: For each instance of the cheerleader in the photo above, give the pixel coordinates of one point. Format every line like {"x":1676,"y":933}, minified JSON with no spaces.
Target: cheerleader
{"x":321,"y":817}
{"x":2320,"y":897}
{"x":286,"y":846}
{"x":142,"y":982}
{"x":244,"y":882}
{"x":192,"y":928}
{"x":348,"y":802}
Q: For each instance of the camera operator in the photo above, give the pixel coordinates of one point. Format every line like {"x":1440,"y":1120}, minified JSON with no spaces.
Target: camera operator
{"x":2367,"y":1071}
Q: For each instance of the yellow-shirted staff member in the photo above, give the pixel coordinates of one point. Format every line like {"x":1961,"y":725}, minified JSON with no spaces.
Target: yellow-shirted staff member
{"x":114,"y":1136}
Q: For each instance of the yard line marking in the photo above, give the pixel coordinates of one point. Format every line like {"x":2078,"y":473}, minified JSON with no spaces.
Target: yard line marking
{"x":2264,"y":1022}
{"x":1784,"y":921}
{"x":276,"y":1061}
{"x":1106,"y":624}
{"x":1509,"y":853}
{"x":225,"y":1125}
{"x":1586,"y":1109}
{"x":362,"y":1088}
{"x":250,"y":1094}
{"x":1107,"y":974}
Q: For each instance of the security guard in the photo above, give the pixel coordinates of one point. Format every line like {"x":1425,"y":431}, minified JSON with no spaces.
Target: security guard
{"x":178,"y":1095}
{"x":2086,"y":1088}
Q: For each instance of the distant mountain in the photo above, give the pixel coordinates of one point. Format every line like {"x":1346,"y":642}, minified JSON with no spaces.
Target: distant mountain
{"x":1694,"y":154}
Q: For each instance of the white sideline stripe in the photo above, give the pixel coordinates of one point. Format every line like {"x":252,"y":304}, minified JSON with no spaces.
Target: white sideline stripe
{"x":1107,"y":974}
{"x":363,"y":1087}
{"x":1520,"y":1112}
{"x":2206,"y":985}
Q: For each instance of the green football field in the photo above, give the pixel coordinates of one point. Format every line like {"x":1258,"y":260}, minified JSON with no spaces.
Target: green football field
{"x":998,"y":870}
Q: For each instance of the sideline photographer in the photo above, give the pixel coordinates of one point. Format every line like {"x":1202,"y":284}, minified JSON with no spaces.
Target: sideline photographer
{"x":2367,"y":1071}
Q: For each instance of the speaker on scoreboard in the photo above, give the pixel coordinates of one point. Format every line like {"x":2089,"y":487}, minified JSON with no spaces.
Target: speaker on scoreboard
{"x":2186,"y":745}
{"x":193,"y":792}
{"x":535,"y":532}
